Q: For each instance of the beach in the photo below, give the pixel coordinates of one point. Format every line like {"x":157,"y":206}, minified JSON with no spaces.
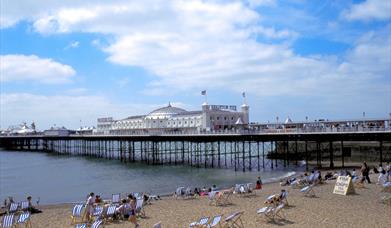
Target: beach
{"x":362,"y":209}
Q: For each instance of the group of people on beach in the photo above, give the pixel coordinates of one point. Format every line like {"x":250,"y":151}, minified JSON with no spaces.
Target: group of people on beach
{"x":30,"y":208}
{"x":126,"y":209}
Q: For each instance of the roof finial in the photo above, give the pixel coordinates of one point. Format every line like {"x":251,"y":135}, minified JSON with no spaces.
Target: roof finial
{"x":169,"y":104}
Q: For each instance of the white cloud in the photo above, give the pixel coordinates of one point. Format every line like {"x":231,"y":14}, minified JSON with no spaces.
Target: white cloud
{"x":197,"y":44}
{"x":65,"y":110}
{"x":74,"y":44}
{"x":369,"y":10}
{"x":33,"y":68}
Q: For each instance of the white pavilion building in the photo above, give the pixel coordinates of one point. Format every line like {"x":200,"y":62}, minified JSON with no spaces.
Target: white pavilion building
{"x":172,"y":119}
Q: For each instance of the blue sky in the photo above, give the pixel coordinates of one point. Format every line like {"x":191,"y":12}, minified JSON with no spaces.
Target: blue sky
{"x":70,"y":62}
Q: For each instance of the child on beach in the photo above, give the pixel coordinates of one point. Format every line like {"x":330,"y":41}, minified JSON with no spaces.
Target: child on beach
{"x":258,"y":183}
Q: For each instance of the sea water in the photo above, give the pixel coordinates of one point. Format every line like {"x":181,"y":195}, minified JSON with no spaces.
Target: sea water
{"x":61,"y":179}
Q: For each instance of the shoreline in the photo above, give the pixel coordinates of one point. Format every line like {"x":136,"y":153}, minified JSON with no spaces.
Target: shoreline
{"x":168,"y":195}
{"x":323,"y":211}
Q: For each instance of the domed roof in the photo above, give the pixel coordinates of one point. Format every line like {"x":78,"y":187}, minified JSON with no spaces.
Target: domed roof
{"x":166,"y":112}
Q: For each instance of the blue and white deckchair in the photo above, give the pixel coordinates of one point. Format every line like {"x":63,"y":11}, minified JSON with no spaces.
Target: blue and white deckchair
{"x":24,"y":218}
{"x":203,"y":221}
{"x":76,"y":212}
{"x":81,"y":225}
{"x":139,"y":208}
{"x":180,"y":192}
{"x":110,"y":212}
{"x":8,"y":221}
{"x":13,"y":208}
{"x":97,"y":223}
{"x":116,"y":198}
{"x":24,"y":205}
{"x":215,"y":222}
{"x":308,"y":191}
{"x":97,"y":212}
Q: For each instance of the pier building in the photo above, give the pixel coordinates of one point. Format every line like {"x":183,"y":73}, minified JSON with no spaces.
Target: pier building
{"x":170,"y":119}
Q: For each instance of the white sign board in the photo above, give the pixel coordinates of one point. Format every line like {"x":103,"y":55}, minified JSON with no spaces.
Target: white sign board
{"x":344,"y":185}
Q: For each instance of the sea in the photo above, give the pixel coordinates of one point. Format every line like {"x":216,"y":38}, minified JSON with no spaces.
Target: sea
{"x":53,"y":179}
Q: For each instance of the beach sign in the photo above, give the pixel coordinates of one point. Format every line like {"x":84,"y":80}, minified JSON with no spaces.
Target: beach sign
{"x":344,"y":186}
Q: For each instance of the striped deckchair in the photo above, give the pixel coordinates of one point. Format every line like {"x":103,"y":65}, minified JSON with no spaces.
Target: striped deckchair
{"x":13,"y":208}
{"x":139,"y":208}
{"x":8,"y":221}
{"x":308,"y":191}
{"x":24,"y":218}
{"x":24,"y":205}
{"x":76,"y":212}
{"x":81,"y":225}
{"x":215,"y":222}
{"x":110,"y":213}
{"x":98,"y":210}
{"x":201,"y":223}
{"x":97,"y":224}
{"x":116,"y":198}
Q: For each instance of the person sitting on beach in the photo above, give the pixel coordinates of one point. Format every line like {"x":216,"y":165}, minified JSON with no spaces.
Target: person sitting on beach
{"x":375,"y":169}
{"x":123,"y":211}
{"x":90,"y":205}
{"x":197,"y":192}
{"x":31,"y":208}
{"x":98,"y":200}
{"x":258,"y":184}
{"x":328,"y":176}
{"x":214,"y":188}
{"x":354,"y":174}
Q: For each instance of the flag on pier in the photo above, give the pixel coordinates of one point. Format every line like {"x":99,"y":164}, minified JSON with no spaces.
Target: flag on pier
{"x":203,"y":92}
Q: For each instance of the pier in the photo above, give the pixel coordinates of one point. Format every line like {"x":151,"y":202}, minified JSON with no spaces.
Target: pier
{"x":242,"y":152}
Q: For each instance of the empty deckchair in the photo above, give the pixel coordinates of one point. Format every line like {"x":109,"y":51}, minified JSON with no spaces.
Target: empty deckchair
{"x":97,"y":224}
{"x":270,"y":212}
{"x":109,"y":213}
{"x":139,"y":208}
{"x":97,"y":214}
{"x":76,"y":212}
{"x":224,"y":198}
{"x":201,"y":223}
{"x":24,"y":218}
{"x":116,"y":198}
{"x":215,"y":222}
{"x":8,"y":221}
{"x":308,"y":191}
{"x":13,"y":208}
{"x":158,"y":225}
{"x":24,"y":205}
{"x":234,"y":220}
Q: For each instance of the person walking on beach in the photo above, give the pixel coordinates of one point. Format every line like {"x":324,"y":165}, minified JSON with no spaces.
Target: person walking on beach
{"x":365,"y":173}
{"x":132,"y":214}
{"x":258,"y":183}
{"x":90,"y":206}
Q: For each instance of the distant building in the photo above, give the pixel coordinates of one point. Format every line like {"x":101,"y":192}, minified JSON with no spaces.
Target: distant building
{"x":58,"y":131}
{"x":173,"y":119}
{"x":85,"y":130}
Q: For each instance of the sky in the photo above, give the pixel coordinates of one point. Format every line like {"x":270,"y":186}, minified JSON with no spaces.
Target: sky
{"x":67,"y":63}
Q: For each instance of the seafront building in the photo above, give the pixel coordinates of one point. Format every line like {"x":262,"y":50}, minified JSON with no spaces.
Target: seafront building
{"x":170,"y":119}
